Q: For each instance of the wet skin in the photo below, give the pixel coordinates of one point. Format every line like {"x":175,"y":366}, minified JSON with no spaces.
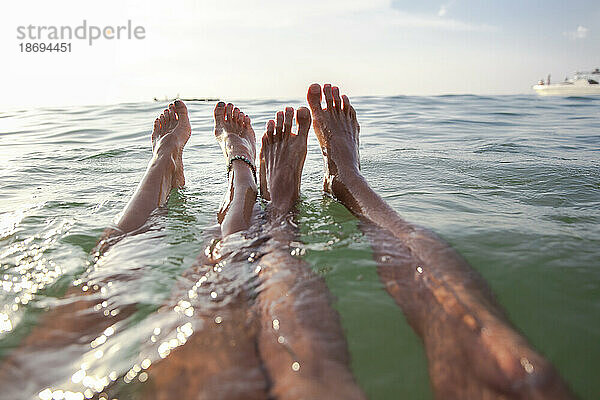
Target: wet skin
{"x":231,"y":349}
{"x":235,"y":135}
{"x":303,"y":358}
{"x":270,"y":345}
{"x":70,"y":326}
{"x":171,"y":132}
{"x":220,"y":359}
{"x":472,"y":349}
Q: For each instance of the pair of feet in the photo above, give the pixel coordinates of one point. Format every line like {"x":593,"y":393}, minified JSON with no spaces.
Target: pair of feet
{"x":283,"y":151}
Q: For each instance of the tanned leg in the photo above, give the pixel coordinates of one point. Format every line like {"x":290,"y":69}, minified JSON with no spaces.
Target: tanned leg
{"x":473,"y":351}
{"x":171,"y":132}
{"x":301,"y":341}
{"x":219,"y":360}
{"x":236,"y":137}
{"x":73,"y":324}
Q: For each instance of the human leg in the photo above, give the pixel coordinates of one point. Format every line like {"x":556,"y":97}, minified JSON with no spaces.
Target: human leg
{"x":301,"y":341}
{"x":473,"y":350}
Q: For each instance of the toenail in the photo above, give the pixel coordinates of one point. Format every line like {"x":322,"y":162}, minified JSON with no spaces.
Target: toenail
{"x":177,"y":102}
{"x":221,"y":104}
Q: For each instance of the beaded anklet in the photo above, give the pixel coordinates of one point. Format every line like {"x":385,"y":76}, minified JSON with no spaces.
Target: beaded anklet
{"x":244,"y":159}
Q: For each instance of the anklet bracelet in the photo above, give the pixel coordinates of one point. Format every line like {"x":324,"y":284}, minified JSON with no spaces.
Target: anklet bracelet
{"x":244,"y":159}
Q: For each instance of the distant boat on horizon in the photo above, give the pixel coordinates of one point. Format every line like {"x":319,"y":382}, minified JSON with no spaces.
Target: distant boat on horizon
{"x":166,"y":99}
{"x":581,"y":84}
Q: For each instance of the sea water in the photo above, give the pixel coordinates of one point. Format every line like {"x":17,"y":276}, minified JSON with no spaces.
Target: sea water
{"x":512,"y":182}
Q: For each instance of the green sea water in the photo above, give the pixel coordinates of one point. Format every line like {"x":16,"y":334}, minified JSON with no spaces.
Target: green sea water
{"x":512,"y":182}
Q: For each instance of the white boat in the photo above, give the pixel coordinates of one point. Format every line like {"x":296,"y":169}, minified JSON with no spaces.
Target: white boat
{"x":582,"y":84}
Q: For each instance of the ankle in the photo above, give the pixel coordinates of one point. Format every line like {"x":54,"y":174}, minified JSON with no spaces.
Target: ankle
{"x":166,"y":148}
{"x":241,"y":163}
{"x":341,"y":171}
{"x":341,"y":178}
{"x":242,"y":175}
{"x":162,"y":161}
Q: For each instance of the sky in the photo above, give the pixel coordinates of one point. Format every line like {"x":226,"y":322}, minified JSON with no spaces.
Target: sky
{"x":239,"y":49}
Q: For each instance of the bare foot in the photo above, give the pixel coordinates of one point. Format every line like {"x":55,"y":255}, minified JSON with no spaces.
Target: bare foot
{"x":337,"y":129}
{"x":282,"y":157}
{"x":234,"y":133}
{"x":171,"y":132}
{"x":473,"y":351}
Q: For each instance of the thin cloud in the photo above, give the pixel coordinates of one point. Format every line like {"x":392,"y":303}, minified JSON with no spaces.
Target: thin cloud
{"x":409,"y":20}
{"x":580,"y":33}
{"x":438,"y":21}
{"x":284,"y":15}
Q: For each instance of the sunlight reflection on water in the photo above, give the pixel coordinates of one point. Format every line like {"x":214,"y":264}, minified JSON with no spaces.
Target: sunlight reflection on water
{"x":511,"y":181}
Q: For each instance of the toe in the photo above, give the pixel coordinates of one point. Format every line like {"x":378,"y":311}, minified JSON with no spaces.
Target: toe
{"x":270,"y":131}
{"x":303,"y":120}
{"x":167,"y":118}
{"x":336,"y":98}
{"x":162,"y":123}
{"x":246,"y":128}
{"x":262,"y":172}
{"x":279,"y":125}
{"x":228,"y":112}
{"x":354,"y":119}
{"x":353,"y":114}
{"x":155,"y":130}
{"x":288,"y":119}
{"x":220,"y":112}
{"x":328,"y":96}
{"x":314,"y":98}
{"x":172,"y":116}
{"x":241,"y":118}
{"x":236,"y":115}
{"x":181,"y":111}
{"x":346,"y":102}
